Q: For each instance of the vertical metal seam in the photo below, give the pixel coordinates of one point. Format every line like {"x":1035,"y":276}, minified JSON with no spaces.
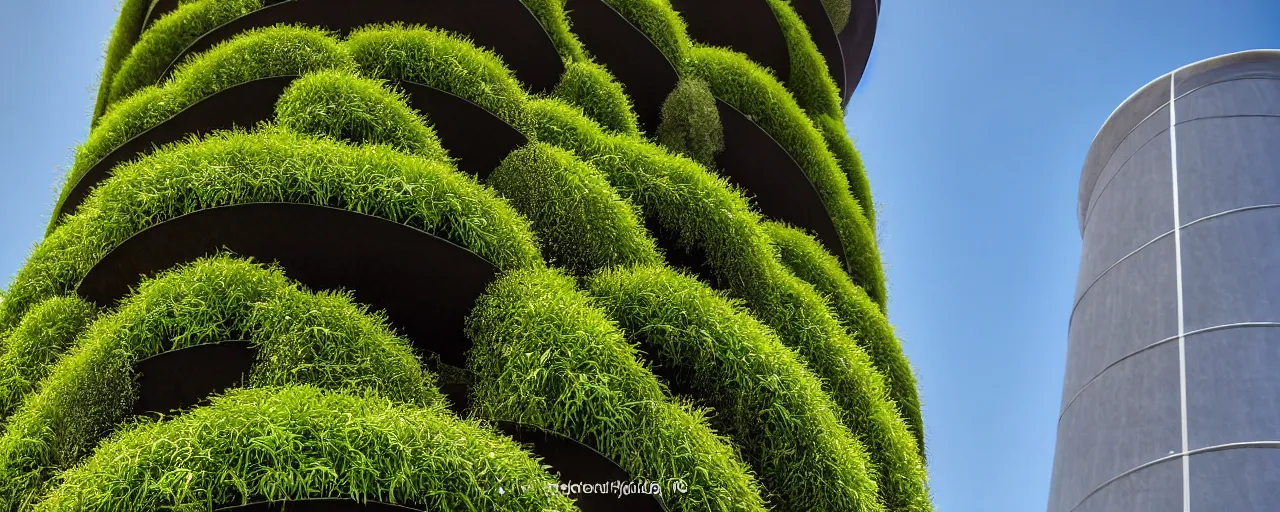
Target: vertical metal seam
{"x":1177,"y":255}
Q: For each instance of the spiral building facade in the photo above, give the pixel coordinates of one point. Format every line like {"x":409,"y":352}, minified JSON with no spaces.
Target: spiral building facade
{"x":1170,"y":394}
{"x":464,"y":255}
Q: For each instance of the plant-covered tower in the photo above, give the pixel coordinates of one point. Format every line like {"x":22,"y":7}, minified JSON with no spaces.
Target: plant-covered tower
{"x":461,"y":255}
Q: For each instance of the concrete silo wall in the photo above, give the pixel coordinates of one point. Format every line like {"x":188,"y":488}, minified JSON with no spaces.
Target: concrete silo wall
{"x":1171,"y":399}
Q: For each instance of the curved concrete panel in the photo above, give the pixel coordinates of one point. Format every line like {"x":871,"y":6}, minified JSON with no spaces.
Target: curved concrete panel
{"x":1175,"y":335}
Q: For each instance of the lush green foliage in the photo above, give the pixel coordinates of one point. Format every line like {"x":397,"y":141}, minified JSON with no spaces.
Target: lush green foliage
{"x":165,"y":39}
{"x":551,"y":15}
{"x":691,"y":122}
{"x":833,"y":132}
{"x":353,"y":109}
{"x":810,"y":81}
{"x":582,"y":222}
{"x":787,"y":355}
{"x":701,"y":212}
{"x":765,"y":399}
{"x":272,"y":166}
{"x":322,"y":339}
{"x":44,"y":334}
{"x":592,"y":88}
{"x":545,"y":356}
{"x":123,"y":36}
{"x":657,"y":20}
{"x":838,"y":11}
{"x":436,"y":58}
{"x":859,"y":314}
{"x":257,"y":54}
{"x":245,"y":446}
{"x":751,"y":89}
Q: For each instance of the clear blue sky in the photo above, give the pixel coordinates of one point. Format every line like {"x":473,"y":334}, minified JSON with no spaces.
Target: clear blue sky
{"x":973,"y":120}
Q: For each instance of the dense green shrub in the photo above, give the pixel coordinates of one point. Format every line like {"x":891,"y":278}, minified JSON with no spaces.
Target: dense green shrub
{"x":380,"y":450}
{"x":810,"y":81}
{"x":838,"y":11}
{"x":859,"y":314}
{"x":691,"y":122}
{"x":45,"y":333}
{"x":436,"y":58}
{"x":255,"y":54}
{"x":353,"y":109}
{"x":657,"y":20}
{"x":700,"y":211}
{"x":833,"y":132}
{"x":551,"y":15}
{"x":272,"y":166}
{"x":322,"y":339}
{"x":582,"y":222}
{"x":751,"y":89}
{"x":123,"y":36}
{"x":765,"y":399}
{"x":544,"y":356}
{"x":165,"y":39}
{"x":590,"y":87}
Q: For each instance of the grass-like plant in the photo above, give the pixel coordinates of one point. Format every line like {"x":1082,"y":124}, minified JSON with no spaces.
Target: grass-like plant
{"x":810,"y":82}
{"x":657,"y":20}
{"x":859,"y":314}
{"x":751,"y":89}
{"x":439,"y":59}
{"x":45,"y":333}
{"x":272,"y":166}
{"x":765,"y":399}
{"x":555,"y":23}
{"x":581,"y":220}
{"x":245,"y":446}
{"x":545,"y":356}
{"x":700,"y":211}
{"x":593,"y":89}
{"x":256,"y":54}
{"x":304,"y":338}
{"x":341,"y":105}
{"x":691,"y":122}
{"x":123,"y":36}
{"x":165,"y":39}
{"x":838,"y":11}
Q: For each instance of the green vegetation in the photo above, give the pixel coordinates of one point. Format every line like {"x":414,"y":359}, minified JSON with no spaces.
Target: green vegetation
{"x":833,"y":132}
{"x":657,"y":20}
{"x":700,"y":211}
{"x":859,"y":314}
{"x":272,"y":166}
{"x":772,"y":407}
{"x":304,"y":338}
{"x":751,"y":89}
{"x":592,"y":88}
{"x":44,"y":334}
{"x":256,"y":54}
{"x":810,"y":81}
{"x":551,"y":15}
{"x":436,"y":58}
{"x":838,"y":11}
{"x":791,"y":391}
{"x":388,"y":452}
{"x":127,"y":29}
{"x":165,"y":39}
{"x":359,"y":110}
{"x":691,"y":123}
{"x":544,"y":356}
{"x":582,"y":222}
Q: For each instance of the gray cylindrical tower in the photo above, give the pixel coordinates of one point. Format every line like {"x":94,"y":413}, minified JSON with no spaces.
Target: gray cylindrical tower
{"x":1172,"y":392}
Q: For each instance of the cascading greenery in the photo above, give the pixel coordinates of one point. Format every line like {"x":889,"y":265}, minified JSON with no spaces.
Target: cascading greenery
{"x":769,"y":381}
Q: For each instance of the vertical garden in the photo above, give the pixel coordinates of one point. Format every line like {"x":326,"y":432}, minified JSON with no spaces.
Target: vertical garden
{"x":453,"y":254}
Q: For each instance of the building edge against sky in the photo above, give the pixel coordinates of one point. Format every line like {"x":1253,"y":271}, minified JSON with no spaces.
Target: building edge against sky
{"x":1170,"y":396}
